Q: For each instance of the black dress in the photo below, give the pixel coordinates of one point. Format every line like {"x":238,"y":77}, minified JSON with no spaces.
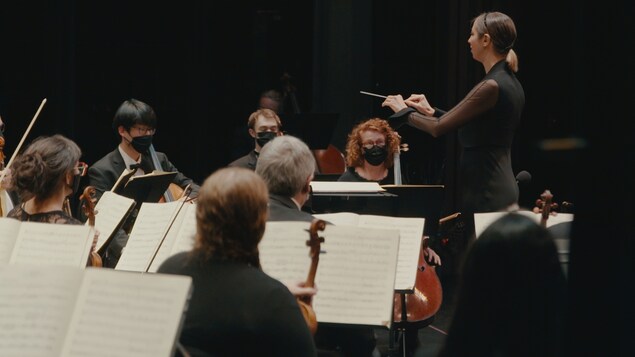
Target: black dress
{"x":486,"y":120}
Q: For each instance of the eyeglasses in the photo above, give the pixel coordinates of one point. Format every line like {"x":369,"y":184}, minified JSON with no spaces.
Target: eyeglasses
{"x":82,"y":168}
{"x":143,"y":130}
{"x":369,"y":144}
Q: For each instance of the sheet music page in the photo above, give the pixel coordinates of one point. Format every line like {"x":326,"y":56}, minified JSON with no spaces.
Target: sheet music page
{"x":180,"y":237}
{"x":337,"y":186}
{"x":52,"y":244}
{"x":149,"y":228}
{"x":411,"y":233}
{"x":356,"y":276}
{"x":9,"y":228}
{"x":483,"y":220}
{"x":284,"y":254}
{"x":340,"y":218}
{"x":109,"y":212}
{"x":127,"y":314}
{"x":36,"y":304}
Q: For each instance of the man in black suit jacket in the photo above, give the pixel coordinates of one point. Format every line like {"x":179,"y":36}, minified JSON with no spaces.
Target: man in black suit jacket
{"x":287,"y":166}
{"x":135,"y":122}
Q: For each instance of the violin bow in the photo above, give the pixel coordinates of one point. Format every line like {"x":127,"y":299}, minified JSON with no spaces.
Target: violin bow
{"x":17,"y":149}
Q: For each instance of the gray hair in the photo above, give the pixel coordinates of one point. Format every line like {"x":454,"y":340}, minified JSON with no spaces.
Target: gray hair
{"x":285,"y":163}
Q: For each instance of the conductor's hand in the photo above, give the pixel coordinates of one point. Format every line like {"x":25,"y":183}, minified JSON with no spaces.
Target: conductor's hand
{"x":394,"y":102}
{"x":420,"y":103}
{"x":300,"y":290}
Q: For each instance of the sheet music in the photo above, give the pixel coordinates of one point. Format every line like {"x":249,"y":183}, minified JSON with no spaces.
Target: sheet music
{"x":35,"y":308}
{"x":483,"y":220}
{"x":180,"y":237}
{"x":109,"y":212}
{"x":411,"y":233}
{"x":9,"y":228}
{"x":410,"y":236}
{"x":52,"y":244}
{"x":127,"y":314}
{"x":284,"y":254}
{"x":150,"y":226}
{"x":356,"y":276}
{"x":337,"y":186}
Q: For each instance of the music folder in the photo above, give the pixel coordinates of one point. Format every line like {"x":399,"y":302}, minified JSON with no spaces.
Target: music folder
{"x":147,"y":188}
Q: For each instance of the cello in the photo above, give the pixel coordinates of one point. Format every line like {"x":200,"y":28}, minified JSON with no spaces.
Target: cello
{"x":416,"y":310}
{"x":314,"y":243}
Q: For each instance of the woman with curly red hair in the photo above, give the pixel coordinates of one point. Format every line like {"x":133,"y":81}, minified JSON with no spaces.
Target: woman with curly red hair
{"x":370,"y":152}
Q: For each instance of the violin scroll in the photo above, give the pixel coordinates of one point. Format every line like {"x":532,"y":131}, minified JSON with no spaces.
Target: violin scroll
{"x":314,"y":243}
{"x":88,"y":206}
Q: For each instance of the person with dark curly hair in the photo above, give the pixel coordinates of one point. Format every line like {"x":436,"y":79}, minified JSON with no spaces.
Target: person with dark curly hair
{"x":236,"y":309}
{"x":370,"y":152}
{"x":44,"y":176}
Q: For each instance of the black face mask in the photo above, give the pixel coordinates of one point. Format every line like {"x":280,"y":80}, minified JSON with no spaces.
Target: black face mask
{"x":142,"y":143}
{"x":375,"y":155}
{"x":264,"y":137}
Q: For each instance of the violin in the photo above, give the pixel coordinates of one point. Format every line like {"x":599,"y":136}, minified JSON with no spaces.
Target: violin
{"x":545,"y":207}
{"x":88,"y":207}
{"x":314,"y":243}
{"x":425,"y":300}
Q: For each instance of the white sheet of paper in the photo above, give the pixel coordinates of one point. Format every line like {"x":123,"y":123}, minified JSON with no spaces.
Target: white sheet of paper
{"x":52,"y":244}
{"x":149,"y":228}
{"x":127,"y":314}
{"x":356,"y":272}
{"x":356,"y":276}
{"x":109,"y":211}
{"x":36,"y":304}
{"x":284,"y":254}
{"x":180,"y":237}
{"x":411,"y":233}
{"x":337,"y":186}
{"x":483,"y":220}
{"x":9,"y":228}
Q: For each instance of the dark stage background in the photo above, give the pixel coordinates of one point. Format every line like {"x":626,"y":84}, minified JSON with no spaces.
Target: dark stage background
{"x":201,"y":65}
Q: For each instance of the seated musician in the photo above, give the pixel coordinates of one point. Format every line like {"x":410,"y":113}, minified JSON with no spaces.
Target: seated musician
{"x":236,"y":309}
{"x":287,"y":165}
{"x":370,"y":150}
{"x":44,"y":176}
{"x":135,"y":122}
{"x":264,"y":125}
